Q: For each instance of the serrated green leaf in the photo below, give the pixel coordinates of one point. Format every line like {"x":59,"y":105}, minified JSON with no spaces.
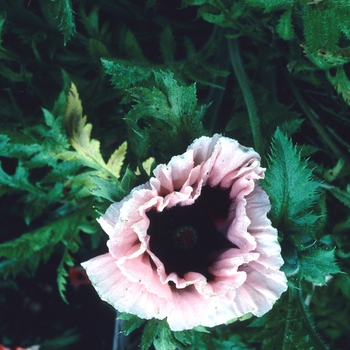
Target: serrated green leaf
{"x":49,"y":118}
{"x":131,"y":323}
{"x":184,"y":337}
{"x":19,"y":180}
{"x":87,"y":150}
{"x":315,"y":264}
{"x":146,"y":167}
{"x":287,"y":326}
{"x":60,"y":171}
{"x":323,"y":25}
{"x":132,"y":47}
{"x":150,"y":102}
{"x":170,"y":112}
{"x":341,"y":83}
{"x":291,"y":188}
{"x":149,"y":334}
{"x":128,"y":180}
{"x":165,"y":339}
{"x":291,"y":126}
{"x":170,"y":101}
{"x":66,"y":19}
{"x":106,"y":189}
{"x":116,"y":160}
{"x":284,"y":27}
{"x":62,"y":274}
{"x":31,"y":248}
{"x":17,"y":150}
{"x":37,"y":240}
{"x":36,"y":203}
{"x":124,"y":74}
{"x":90,"y":21}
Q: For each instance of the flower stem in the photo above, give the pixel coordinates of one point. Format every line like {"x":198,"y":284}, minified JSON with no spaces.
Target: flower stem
{"x":313,"y":117}
{"x":244,"y":84}
{"x":120,"y":341}
{"x":308,"y":322}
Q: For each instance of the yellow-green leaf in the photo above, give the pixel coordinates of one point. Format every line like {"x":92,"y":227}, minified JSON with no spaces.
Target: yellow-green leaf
{"x":87,"y":149}
{"x":116,"y":160}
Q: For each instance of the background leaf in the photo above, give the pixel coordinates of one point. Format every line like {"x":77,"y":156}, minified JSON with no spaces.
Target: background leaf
{"x":291,"y":188}
{"x":316,"y":264}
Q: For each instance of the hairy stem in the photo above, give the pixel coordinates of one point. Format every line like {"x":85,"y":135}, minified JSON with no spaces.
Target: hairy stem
{"x":244,"y":84}
{"x":308,"y":322}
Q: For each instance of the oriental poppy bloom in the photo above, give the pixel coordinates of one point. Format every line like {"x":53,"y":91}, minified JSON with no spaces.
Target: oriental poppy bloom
{"x":194,"y":244}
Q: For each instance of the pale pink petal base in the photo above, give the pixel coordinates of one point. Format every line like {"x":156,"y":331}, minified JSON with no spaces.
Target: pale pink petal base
{"x":120,"y":292}
{"x":245,"y":280}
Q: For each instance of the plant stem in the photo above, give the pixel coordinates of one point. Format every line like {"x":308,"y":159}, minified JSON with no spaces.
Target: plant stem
{"x":215,"y":98}
{"x":307,"y":320}
{"x":244,"y":84}
{"x":120,"y":341}
{"x":313,"y":117}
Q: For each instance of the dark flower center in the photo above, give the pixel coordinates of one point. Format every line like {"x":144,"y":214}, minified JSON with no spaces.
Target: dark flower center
{"x":185,"y":238}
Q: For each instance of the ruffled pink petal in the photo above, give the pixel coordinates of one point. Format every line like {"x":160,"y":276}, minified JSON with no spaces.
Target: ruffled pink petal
{"x":123,"y":294}
{"x":227,"y":166}
{"x":245,"y":279}
{"x":146,"y":275}
{"x":188,"y":309}
{"x":204,"y":150}
{"x":258,"y":294}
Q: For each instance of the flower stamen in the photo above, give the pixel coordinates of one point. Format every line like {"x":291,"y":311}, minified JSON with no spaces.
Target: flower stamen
{"x":185,"y":237}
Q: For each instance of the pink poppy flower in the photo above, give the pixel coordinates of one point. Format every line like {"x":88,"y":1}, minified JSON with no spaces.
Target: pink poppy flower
{"x":194,"y":244}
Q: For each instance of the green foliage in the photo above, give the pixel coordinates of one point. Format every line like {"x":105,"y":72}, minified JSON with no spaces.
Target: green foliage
{"x":286,"y":326}
{"x":59,"y":167}
{"x":341,"y":195}
{"x":42,"y":142}
{"x":125,"y":74}
{"x":131,"y":323}
{"x":27,"y":251}
{"x":156,"y":332}
{"x":149,"y":334}
{"x":45,"y":146}
{"x":292,"y":190}
{"x":285,"y":27}
{"x":315,"y":264}
{"x":271,"y":4}
{"x":66,"y":18}
{"x":341,"y":83}
{"x":217,"y":12}
{"x":325,"y":23}
{"x":87,"y":151}
{"x":168,"y":109}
